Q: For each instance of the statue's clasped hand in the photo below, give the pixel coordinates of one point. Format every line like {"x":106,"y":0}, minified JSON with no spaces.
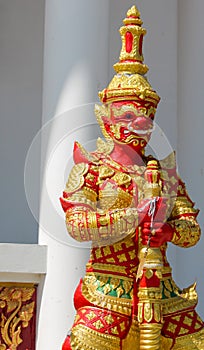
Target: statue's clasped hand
{"x":159,"y":233}
{"x":154,"y":229}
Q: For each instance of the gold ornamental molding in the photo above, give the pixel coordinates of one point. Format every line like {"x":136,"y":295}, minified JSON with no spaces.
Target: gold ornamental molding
{"x":17,"y":308}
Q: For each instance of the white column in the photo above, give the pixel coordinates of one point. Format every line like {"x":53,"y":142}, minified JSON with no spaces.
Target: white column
{"x":75,"y":68}
{"x":21,"y":66}
{"x":190,"y":262}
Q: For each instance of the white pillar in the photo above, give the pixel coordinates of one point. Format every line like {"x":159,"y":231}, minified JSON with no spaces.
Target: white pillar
{"x":190,"y":262}
{"x":21,"y":66}
{"x":75,"y":68}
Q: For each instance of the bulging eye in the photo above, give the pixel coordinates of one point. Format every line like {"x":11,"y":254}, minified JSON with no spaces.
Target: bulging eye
{"x":129,"y":116}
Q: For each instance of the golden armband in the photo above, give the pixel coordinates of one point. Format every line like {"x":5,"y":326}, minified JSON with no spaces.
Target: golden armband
{"x":86,"y":225}
{"x":186,"y":232}
{"x":183,"y":206}
{"x":124,"y":221}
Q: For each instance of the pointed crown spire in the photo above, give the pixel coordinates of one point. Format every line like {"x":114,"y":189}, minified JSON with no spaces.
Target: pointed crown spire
{"x":130,"y":83}
{"x":131,"y":57}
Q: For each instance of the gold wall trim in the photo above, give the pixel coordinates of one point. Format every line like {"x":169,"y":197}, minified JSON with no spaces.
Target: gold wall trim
{"x":17,"y":308}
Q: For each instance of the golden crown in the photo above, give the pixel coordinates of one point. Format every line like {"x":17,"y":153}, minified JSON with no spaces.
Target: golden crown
{"x":129,"y":83}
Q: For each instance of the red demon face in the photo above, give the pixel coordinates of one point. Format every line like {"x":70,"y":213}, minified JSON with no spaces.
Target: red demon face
{"x":128,"y":124}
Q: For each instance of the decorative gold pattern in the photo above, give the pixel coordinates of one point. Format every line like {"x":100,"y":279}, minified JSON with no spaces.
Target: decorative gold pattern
{"x":110,"y":270}
{"x":123,"y":305}
{"x":104,"y":147}
{"x":186,"y":299}
{"x":99,"y":341}
{"x":111,"y":198}
{"x":133,"y":16}
{"x":94,"y":340}
{"x":132,"y":340}
{"x":17,"y":310}
{"x":133,"y":56}
{"x":105,"y":172}
{"x":90,"y":194}
{"x":166,"y":343}
{"x":76,"y":177}
{"x":102,"y":111}
{"x":169,"y":162}
{"x":81,"y":197}
{"x":131,"y":86}
{"x":148,"y":273}
{"x":135,"y":86}
{"x":183,"y":206}
{"x":149,"y":294}
{"x":150,"y":336}
{"x":122,"y":179}
{"x":186,"y":232}
{"x":96,"y":229}
{"x":190,"y":342}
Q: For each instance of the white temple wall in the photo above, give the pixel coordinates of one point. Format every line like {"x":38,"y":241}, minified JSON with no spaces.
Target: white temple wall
{"x":190,"y":143}
{"x":21,"y":68}
{"x":75,"y":68}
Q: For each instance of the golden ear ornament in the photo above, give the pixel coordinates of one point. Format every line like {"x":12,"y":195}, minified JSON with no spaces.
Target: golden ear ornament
{"x":102,"y":111}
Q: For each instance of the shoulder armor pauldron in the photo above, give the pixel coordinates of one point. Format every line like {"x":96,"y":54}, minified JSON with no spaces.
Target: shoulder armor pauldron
{"x":76,"y":177}
{"x":81,"y":155}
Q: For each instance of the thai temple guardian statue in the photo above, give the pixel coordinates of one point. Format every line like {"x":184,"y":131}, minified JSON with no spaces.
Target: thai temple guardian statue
{"x":130,"y":206}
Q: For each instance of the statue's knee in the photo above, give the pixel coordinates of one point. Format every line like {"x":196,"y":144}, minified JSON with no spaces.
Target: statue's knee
{"x":66,"y":345}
